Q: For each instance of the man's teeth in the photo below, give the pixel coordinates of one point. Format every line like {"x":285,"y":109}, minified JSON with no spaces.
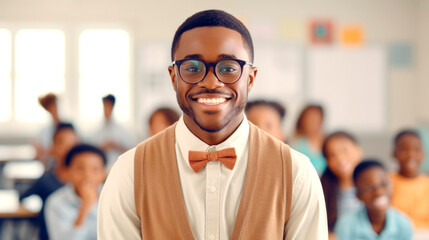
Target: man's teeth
{"x":211,"y":101}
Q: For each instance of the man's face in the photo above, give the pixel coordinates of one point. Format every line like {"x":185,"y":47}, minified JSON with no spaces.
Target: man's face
{"x":211,"y":106}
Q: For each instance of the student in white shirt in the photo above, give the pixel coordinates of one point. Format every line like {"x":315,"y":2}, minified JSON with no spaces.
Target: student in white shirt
{"x":112,"y":138}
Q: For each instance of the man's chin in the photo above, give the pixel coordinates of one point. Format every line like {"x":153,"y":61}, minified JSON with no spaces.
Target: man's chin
{"x":210,"y":128}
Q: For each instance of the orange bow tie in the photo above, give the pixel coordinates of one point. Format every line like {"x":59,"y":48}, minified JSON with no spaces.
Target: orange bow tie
{"x":198,"y":160}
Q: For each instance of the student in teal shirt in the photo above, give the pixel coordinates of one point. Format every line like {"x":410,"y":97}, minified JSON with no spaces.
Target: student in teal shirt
{"x":309,"y":136}
{"x":377,"y":220}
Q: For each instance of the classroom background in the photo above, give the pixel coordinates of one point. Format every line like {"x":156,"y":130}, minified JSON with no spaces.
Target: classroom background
{"x":369,"y":73}
{"x":364,"y":61}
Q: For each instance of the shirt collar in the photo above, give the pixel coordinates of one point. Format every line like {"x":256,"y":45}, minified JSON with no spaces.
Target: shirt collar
{"x":187,"y":141}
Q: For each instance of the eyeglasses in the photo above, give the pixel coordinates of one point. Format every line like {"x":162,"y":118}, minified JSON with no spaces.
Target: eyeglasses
{"x":193,"y":71}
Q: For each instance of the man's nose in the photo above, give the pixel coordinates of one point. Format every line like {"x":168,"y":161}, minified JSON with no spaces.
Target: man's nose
{"x":210,"y":81}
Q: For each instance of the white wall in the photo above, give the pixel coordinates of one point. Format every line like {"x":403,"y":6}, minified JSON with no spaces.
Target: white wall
{"x":423,"y":61}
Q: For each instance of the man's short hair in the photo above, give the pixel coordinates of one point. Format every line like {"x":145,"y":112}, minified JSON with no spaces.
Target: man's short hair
{"x":84,"y":148}
{"x":275,"y":105}
{"x":213,"y":18}
{"x":405,"y":132}
{"x":110,"y":98}
{"x":365,"y":165}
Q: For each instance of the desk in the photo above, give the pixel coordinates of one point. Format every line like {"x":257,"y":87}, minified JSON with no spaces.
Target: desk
{"x":21,"y":224}
{"x":22,"y":212}
{"x":23,"y":170}
{"x":16,"y":152}
{"x":20,"y":174}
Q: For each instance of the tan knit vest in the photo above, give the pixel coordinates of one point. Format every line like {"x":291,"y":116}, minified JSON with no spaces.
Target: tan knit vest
{"x":265,"y":203}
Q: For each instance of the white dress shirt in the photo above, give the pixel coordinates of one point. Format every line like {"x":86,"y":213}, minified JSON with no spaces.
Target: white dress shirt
{"x":211,"y":196}
{"x":221,"y":187}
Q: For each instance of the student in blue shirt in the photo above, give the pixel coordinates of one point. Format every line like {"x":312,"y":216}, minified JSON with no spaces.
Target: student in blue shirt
{"x":64,"y":139}
{"x":377,"y":220}
{"x":71,"y":212}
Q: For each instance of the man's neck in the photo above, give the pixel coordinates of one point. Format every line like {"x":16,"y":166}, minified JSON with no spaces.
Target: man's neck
{"x":215,"y":138}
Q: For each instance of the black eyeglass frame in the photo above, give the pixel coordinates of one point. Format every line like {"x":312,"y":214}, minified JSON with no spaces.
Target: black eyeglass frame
{"x":211,"y":64}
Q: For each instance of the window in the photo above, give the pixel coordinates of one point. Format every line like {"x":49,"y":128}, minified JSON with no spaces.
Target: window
{"x":39,"y":68}
{"x":104,"y":64}
{"x":5,"y":75}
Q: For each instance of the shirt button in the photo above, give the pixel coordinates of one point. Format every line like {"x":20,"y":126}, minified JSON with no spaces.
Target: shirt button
{"x":212,"y":189}
{"x":212,"y":236}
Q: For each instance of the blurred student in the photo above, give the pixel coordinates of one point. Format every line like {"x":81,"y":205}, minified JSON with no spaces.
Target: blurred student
{"x":71,"y":212}
{"x":64,"y":139}
{"x":162,"y":118}
{"x":309,"y":136}
{"x":377,"y":220}
{"x":43,"y":142}
{"x":112,"y":138}
{"x":268,"y":116}
{"x":410,"y":187}
{"x":342,"y":154}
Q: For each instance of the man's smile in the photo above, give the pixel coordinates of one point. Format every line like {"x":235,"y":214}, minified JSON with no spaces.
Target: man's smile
{"x":211,"y":101}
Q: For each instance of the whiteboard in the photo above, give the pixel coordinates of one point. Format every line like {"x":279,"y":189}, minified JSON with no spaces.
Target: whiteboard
{"x":351,"y":85}
{"x":280,"y":71}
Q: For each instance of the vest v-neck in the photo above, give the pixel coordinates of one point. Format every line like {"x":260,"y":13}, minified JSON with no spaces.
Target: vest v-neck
{"x":177,"y":193}
{"x":265,"y":204}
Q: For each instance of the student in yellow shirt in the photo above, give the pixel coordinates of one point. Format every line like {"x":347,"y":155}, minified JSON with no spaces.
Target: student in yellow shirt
{"x":410,"y":187}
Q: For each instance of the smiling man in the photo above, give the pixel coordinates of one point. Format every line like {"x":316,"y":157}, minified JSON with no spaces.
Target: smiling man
{"x":213,"y":175}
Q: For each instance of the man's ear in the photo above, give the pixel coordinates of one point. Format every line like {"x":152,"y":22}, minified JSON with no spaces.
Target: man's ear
{"x":172,"y":73}
{"x":252,"y":75}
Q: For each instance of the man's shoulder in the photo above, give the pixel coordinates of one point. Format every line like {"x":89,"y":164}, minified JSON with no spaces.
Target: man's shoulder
{"x":125,"y":160}
{"x":298,"y":156}
{"x":160,"y":138}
